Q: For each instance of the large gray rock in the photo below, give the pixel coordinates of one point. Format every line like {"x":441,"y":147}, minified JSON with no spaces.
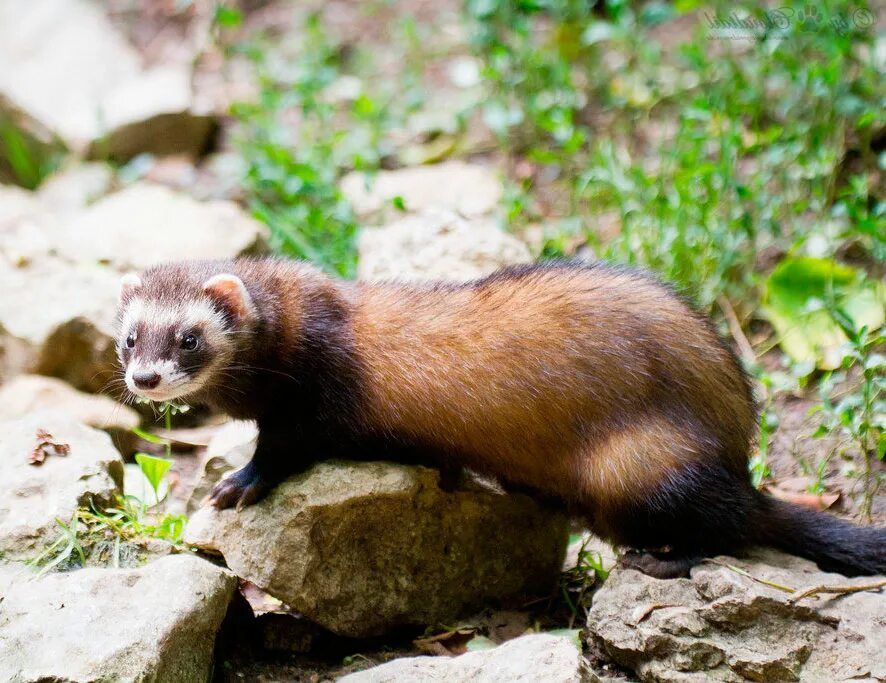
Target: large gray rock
{"x":360,"y":548}
{"x":71,"y":82}
{"x":154,"y":623}
{"x":147,"y":223}
{"x":57,"y":318}
{"x":538,"y":657}
{"x":721,"y":625}
{"x":437,"y":245}
{"x":468,"y":189}
{"x":34,"y":496}
{"x":27,"y":394}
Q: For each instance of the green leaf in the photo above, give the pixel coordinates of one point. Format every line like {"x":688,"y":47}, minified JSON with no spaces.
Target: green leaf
{"x":809,"y":300}
{"x":150,"y":438}
{"x":480,"y":643}
{"x":153,"y":468}
{"x":574,"y":634}
{"x":228,"y":17}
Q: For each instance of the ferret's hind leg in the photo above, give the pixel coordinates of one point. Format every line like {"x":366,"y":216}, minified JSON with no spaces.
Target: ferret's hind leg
{"x":661,"y":565}
{"x":660,"y":488}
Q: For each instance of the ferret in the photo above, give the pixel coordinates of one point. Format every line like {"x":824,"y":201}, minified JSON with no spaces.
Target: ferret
{"x":589,"y":384}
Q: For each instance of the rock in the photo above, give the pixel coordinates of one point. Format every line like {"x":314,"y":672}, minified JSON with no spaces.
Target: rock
{"x":28,"y":394}
{"x":147,"y":223}
{"x":33,"y":497}
{"x":229,"y":449}
{"x":468,"y":189}
{"x":154,"y":623}
{"x":97,"y":101}
{"x":72,"y":189}
{"x":360,"y":548}
{"x":537,"y":657}
{"x":154,"y":112}
{"x":24,"y":227}
{"x":720,"y":625}
{"x":437,"y":245}
{"x":57,"y":318}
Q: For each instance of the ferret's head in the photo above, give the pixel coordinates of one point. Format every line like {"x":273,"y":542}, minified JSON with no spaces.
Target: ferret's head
{"x":177,"y":328}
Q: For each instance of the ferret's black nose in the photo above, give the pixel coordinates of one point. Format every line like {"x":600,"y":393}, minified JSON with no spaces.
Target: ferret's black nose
{"x":146,"y":380}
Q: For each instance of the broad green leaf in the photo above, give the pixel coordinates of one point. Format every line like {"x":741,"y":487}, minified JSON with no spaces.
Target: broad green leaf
{"x":153,"y":468}
{"x":804,"y":295}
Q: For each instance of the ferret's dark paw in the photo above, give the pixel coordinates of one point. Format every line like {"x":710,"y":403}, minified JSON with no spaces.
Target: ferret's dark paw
{"x":658,"y":565}
{"x":242,"y":488}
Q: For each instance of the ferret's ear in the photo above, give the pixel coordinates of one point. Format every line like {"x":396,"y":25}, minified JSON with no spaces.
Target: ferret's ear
{"x":129,"y":285}
{"x":230,"y":293}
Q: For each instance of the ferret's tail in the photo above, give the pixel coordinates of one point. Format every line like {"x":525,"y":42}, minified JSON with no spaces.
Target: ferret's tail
{"x":833,"y":544}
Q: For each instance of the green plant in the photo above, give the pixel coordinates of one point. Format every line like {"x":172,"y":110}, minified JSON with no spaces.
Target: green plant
{"x":298,"y":137}
{"x":29,"y":165}
{"x":114,"y":534}
{"x":859,"y":414}
{"x":707,"y":161}
{"x":578,"y":582}
{"x":800,"y":298}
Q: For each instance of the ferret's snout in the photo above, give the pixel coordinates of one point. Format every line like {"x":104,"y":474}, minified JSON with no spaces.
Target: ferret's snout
{"x":146,"y":379}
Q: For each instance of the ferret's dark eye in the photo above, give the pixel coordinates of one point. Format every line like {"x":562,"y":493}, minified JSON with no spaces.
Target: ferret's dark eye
{"x":189,"y":343}
{"x":130,"y":341}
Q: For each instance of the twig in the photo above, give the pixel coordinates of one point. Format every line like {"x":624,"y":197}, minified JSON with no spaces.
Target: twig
{"x":739,"y":570}
{"x":837,"y":590}
{"x":747,"y":351}
{"x":798,"y":594}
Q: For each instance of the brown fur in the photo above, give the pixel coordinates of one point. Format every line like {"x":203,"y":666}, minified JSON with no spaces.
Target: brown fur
{"x":565,"y":376}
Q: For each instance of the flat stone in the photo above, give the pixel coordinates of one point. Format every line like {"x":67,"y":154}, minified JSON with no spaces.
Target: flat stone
{"x":361,"y":548}
{"x":34,"y":496}
{"x":537,"y":657}
{"x":437,"y":245}
{"x":75,"y":187}
{"x":468,"y":189}
{"x":28,"y":394}
{"x":24,"y":227}
{"x":153,"y":623}
{"x":146,"y":223}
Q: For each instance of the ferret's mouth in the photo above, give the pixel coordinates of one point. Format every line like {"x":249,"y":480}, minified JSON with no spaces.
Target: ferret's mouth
{"x":161,"y":394}
{"x":167,"y":389}
{"x":157,"y":395}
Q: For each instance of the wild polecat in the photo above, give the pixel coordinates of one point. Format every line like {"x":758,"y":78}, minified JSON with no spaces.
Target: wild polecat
{"x":592,"y":384}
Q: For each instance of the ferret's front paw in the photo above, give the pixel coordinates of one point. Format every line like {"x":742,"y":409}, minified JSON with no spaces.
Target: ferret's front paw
{"x":244,"y":487}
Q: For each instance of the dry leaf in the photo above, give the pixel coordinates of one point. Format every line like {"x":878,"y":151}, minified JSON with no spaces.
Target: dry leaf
{"x":449,"y":643}
{"x":45,"y":446}
{"x":816,"y":501}
{"x":259,"y":601}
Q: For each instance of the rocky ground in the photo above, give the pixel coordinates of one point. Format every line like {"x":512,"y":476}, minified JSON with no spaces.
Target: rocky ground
{"x":348,"y":566}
